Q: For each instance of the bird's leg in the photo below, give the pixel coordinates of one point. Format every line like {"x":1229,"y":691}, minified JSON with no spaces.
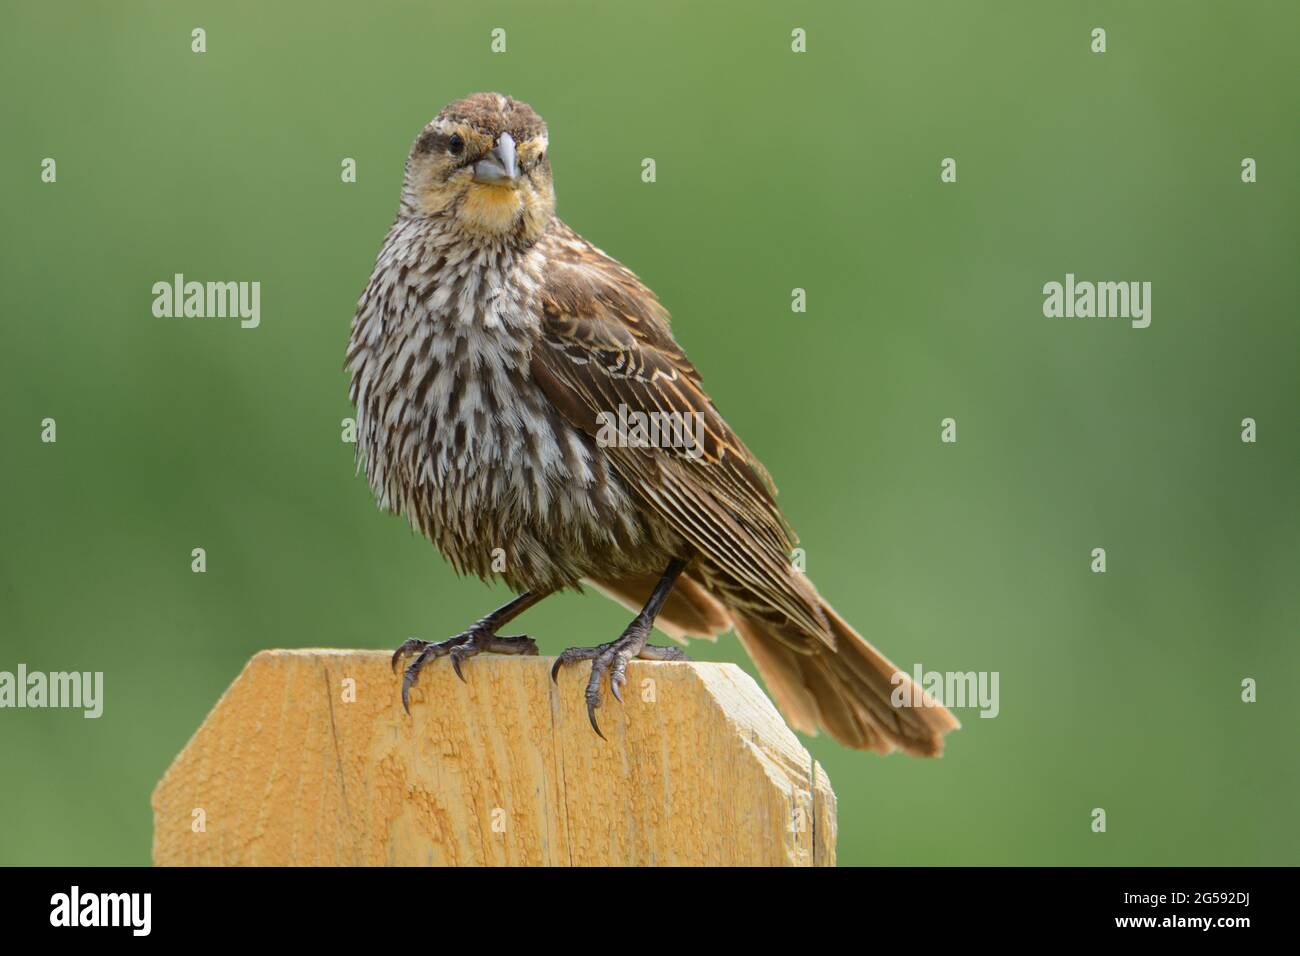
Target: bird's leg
{"x":478,"y":637}
{"x":612,"y":658}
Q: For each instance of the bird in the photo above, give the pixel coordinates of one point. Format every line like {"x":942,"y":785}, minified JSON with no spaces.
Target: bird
{"x":503,"y":370}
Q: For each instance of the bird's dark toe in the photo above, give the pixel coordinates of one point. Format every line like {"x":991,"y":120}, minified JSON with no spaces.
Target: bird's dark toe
{"x":408,"y":646}
{"x":430,"y":651}
{"x":517,"y":644}
{"x":571,"y":655}
{"x":612,"y":659}
{"x":654,"y":652}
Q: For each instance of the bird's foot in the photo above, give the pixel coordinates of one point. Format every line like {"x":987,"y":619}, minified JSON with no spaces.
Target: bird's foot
{"x":612,"y":658}
{"x":474,"y":641}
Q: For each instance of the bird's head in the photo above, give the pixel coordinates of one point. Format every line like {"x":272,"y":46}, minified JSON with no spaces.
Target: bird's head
{"x":481,"y":166}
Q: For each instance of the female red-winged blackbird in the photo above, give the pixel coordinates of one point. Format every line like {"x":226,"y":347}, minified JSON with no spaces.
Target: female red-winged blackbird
{"x":520,"y":399}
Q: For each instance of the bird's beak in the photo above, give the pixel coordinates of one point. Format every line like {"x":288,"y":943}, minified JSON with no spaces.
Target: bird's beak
{"x":499,"y":167}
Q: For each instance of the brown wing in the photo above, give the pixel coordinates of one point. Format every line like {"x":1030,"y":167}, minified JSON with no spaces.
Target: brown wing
{"x":605,"y":342}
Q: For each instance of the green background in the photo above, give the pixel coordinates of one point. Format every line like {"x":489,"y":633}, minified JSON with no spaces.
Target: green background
{"x":775,"y":170}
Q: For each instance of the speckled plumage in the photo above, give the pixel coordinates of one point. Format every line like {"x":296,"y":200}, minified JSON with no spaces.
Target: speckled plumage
{"x":485,"y":346}
{"x":455,"y":435}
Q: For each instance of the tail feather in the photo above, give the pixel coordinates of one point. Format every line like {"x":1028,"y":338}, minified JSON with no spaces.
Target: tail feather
{"x":782,"y":672}
{"x":849,"y":691}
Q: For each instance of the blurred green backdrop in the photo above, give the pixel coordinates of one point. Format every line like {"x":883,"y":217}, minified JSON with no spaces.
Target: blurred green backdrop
{"x":775,"y":171}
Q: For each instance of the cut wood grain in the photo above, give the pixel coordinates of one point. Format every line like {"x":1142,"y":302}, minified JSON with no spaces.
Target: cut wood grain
{"x":308,"y":758}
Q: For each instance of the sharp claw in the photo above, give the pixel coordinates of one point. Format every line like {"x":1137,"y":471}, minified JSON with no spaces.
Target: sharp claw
{"x":555,"y":670}
{"x":455,"y":665}
{"x":591,"y":715}
{"x":408,"y":681}
{"x":402,"y":650}
{"x":614,"y":688}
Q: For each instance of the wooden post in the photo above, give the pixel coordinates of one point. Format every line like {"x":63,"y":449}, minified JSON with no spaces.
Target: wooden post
{"x":308,"y":758}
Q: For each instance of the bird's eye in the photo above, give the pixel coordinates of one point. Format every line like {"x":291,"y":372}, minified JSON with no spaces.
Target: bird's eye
{"x":456,"y":144}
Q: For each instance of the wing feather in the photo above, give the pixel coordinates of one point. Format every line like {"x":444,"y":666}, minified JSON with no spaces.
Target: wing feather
{"x":606,"y":343}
